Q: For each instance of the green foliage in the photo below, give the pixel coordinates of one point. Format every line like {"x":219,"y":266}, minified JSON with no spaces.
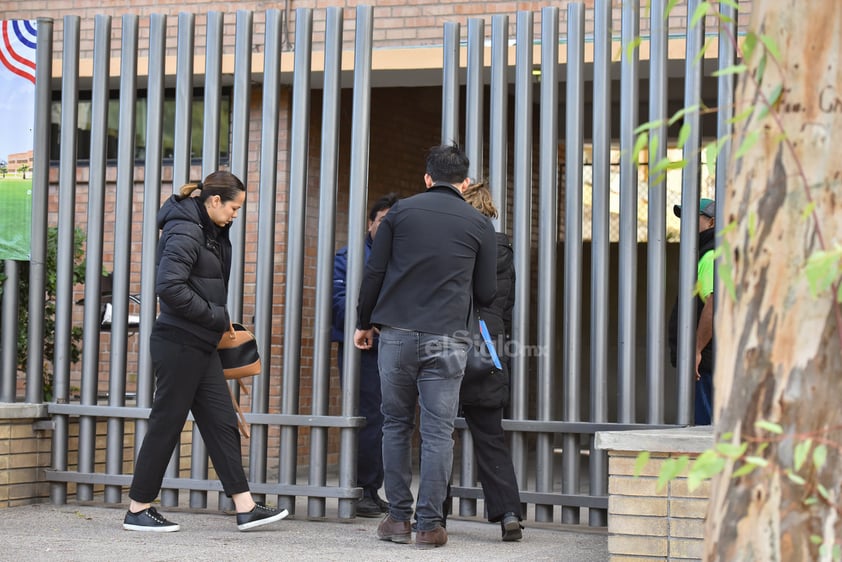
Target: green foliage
{"x":50,"y":267}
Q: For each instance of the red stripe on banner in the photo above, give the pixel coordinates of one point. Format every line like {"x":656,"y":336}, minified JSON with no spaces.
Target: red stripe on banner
{"x":15,"y":70}
{"x":17,"y":57}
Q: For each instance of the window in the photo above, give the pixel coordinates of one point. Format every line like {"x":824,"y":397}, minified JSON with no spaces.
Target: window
{"x":83,"y":130}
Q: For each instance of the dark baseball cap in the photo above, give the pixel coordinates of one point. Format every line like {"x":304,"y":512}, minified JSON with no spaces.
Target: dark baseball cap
{"x":707,"y":207}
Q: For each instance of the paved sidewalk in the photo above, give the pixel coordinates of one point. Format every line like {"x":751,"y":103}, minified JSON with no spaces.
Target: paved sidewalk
{"x":93,"y":531}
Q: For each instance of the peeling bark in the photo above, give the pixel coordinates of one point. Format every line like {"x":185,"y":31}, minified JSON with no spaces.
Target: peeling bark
{"x":778,"y":348}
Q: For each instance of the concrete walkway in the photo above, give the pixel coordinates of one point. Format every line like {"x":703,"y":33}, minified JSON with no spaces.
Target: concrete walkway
{"x":93,"y":531}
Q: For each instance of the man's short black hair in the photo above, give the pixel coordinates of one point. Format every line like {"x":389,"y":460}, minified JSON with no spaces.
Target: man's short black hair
{"x":447,"y":163}
{"x":386,"y":202}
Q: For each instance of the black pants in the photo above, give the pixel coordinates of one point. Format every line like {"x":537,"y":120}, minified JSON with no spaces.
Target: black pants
{"x":188,"y":379}
{"x":370,"y":436}
{"x":494,"y":462}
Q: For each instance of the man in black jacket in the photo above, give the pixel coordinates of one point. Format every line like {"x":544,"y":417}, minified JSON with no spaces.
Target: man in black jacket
{"x":431,"y":253}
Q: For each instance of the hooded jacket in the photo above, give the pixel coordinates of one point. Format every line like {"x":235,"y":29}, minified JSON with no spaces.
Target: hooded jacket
{"x":194,"y":261}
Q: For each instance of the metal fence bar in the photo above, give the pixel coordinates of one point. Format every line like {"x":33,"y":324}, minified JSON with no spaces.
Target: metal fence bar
{"x":34,"y":392}
{"x":264,"y":268}
{"x":357,"y":188}
{"x":122,"y":240}
{"x":656,"y":340}
{"x":474,"y":96}
{"x":573,"y":159}
{"x":93,"y":254}
{"x":182,"y":136}
{"x":65,"y":248}
{"x":328,"y":181}
{"x":8,"y":376}
{"x":499,"y":120}
{"x":628,"y":297}
{"x":522,"y":239}
{"x":239,"y":160}
{"x":600,"y":249}
{"x":299,"y":137}
{"x":450,"y":84}
{"x":689,"y":246}
{"x":149,"y":234}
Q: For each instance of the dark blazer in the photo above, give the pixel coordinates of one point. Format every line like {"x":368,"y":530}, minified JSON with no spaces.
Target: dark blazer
{"x":492,"y":390}
{"x":194,"y":261}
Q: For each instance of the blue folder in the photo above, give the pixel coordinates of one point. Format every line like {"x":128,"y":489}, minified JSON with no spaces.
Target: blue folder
{"x":483,"y":329}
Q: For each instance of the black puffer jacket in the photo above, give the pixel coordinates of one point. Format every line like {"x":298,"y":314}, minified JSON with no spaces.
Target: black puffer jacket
{"x":492,"y":390}
{"x":194,"y":261}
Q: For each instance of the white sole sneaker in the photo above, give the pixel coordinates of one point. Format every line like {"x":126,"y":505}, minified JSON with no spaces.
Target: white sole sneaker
{"x":265,"y":521}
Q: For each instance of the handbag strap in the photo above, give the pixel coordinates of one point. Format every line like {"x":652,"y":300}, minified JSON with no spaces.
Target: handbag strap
{"x":242,"y":424}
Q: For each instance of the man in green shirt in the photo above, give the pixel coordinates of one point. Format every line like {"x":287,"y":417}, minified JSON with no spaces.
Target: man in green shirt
{"x":704,"y":313}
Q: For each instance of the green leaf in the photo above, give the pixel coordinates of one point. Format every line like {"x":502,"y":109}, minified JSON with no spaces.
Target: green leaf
{"x":734,"y":69}
{"x":752,"y":224}
{"x":774,"y":96}
{"x":633,"y":44}
{"x":707,"y":465}
{"x":822,"y":270}
{"x":756,"y":461}
{"x":741,"y":116}
{"x":749,"y":43}
{"x":640,"y":463}
{"x":682,"y":112}
{"x":653,"y":146}
{"x":701,"y":54}
{"x":684,"y":134}
{"x":812,"y":500}
{"x":669,"y":470}
{"x":648,"y":126}
{"x":742,"y":471}
{"x":726,"y":275}
{"x":731,"y":3}
{"x":701,"y":11}
{"x":771,"y":427}
{"x":823,"y":492}
{"x":794,"y":478}
{"x":669,"y":8}
{"x":819,"y":456}
{"x":837,"y":552}
{"x":639,"y":144}
{"x":731,"y":450}
{"x":808,"y":210}
{"x":761,"y":69}
{"x":816,"y":539}
{"x":800,"y":452}
{"x":748,"y":143}
{"x":771,"y":46}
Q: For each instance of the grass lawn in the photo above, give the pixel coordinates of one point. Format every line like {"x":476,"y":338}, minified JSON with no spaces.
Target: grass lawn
{"x":15,"y":217}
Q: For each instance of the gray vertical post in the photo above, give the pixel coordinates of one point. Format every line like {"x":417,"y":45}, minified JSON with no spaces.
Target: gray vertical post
{"x":328,"y":176}
{"x":688,"y":258}
{"x":93,"y":254}
{"x":628,"y":297}
{"x":573,"y":162}
{"x":657,"y":232}
{"x":239,"y":157}
{"x":122,"y":247}
{"x":450,"y":85}
{"x":522,"y":231}
{"x":299,"y":139}
{"x":40,"y":190}
{"x":8,"y":391}
{"x":149,"y":233}
{"x":499,"y":119}
{"x":358,"y":186}
{"x":475,"y":92}
{"x":182,"y":136}
{"x":600,"y":249}
{"x":265,"y":266}
{"x":213,"y":93}
{"x":548,"y":227}
{"x":64,"y":253}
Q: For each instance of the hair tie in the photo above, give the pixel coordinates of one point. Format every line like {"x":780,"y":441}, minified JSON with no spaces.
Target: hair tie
{"x":199,"y":185}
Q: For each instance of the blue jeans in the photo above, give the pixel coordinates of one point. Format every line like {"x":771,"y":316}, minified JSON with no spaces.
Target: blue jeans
{"x":416,"y":367}
{"x":703,"y":413}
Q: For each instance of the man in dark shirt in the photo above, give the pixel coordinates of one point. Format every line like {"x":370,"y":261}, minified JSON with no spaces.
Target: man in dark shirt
{"x":432,"y":252}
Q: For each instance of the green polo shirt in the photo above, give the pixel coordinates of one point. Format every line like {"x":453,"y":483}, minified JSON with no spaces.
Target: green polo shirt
{"x":705,"y":275}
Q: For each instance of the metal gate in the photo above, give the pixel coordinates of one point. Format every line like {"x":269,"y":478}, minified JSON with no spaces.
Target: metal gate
{"x":560,"y":472}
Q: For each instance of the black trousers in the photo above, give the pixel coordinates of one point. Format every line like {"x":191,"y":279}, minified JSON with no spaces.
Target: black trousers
{"x":188,"y":379}
{"x":494,"y":462}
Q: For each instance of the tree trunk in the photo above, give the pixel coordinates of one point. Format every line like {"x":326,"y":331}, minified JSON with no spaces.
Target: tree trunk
{"x":779,"y":356}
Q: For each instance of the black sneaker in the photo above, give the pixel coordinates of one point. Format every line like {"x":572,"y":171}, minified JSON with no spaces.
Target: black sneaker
{"x":368,"y":507}
{"x":148,"y":520}
{"x":511,"y":527}
{"x":383,"y":504}
{"x":259,"y":515}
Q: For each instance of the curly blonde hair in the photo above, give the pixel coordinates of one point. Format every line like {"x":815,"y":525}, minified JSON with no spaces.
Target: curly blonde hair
{"x":480,"y":198}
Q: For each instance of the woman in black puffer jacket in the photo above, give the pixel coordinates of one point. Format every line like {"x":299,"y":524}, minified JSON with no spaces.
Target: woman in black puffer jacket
{"x":194,"y":260}
{"x":483,"y":396}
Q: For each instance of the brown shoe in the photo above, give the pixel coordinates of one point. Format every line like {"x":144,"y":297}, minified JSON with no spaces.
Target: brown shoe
{"x":395,"y":531}
{"x":431,"y":539}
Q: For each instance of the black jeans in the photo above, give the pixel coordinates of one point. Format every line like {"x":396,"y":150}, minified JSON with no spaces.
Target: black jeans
{"x":494,"y":462}
{"x":188,"y":379}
